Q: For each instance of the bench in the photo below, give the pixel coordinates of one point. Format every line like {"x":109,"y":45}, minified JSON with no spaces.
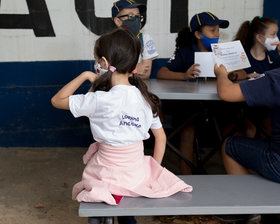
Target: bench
{"x":213,"y":194}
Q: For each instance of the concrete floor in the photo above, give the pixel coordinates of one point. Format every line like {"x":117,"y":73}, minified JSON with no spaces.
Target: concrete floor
{"x":36,"y":184}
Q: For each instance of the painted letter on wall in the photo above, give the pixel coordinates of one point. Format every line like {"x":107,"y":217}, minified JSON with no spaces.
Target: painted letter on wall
{"x":38,"y":19}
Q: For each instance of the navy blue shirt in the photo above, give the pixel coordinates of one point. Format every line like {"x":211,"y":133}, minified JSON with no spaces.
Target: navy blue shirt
{"x":182,"y":59}
{"x":264,"y":91}
{"x":271,"y":61}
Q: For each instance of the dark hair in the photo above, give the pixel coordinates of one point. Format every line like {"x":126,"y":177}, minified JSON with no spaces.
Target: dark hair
{"x":122,"y":49}
{"x":249,"y":29}
{"x":185,"y":38}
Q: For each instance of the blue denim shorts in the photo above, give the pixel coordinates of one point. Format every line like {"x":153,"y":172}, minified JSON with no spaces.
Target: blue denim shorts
{"x":256,"y":155}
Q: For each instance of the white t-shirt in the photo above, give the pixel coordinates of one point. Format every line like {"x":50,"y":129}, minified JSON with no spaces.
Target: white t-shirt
{"x":149,"y":49}
{"x":118,"y":117}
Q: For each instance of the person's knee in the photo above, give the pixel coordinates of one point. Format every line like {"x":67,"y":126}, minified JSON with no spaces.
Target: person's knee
{"x":223,"y":149}
{"x":225,"y":156}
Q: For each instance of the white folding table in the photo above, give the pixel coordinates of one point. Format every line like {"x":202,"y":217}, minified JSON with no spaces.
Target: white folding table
{"x":200,"y":90}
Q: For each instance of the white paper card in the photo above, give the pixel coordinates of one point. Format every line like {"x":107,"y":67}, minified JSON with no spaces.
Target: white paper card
{"x":231,"y":55}
{"x":207,"y":62}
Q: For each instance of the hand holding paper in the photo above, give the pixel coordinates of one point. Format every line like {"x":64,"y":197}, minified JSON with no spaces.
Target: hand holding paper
{"x":220,"y":70}
{"x":206,"y":61}
{"x":231,"y":55}
{"x":192,"y":72}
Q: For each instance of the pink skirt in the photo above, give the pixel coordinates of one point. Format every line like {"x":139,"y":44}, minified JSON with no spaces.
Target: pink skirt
{"x":124,"y":171}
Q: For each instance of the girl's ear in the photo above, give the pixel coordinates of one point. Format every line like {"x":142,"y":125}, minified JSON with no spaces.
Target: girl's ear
{"x":260,"y":38}
{"x":117,"y":21}
{"x":198,"y":35}
{"x":104,"y":63}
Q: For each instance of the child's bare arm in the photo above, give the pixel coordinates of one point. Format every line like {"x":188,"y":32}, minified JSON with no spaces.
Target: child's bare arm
{"x":61,"y":99}
{"x":227,"y":90}
{"x":191,"y":73}
{"x":160,"y":144}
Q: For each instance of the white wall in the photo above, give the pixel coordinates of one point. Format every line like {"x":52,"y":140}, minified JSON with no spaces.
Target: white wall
{"x":73,"y":41}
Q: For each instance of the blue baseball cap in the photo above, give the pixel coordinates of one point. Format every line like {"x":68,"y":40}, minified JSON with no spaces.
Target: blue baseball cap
{"x":206,"y":18}
{"x":124,"y":4}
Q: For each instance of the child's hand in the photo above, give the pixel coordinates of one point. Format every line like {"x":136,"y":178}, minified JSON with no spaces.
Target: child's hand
{"x":276,"y":43}
{"x":192,"y":72}
{"x":90,"y":76}
{"x":237,"y":75}
{"x":220,"y":70}
{"x":142,"y":69}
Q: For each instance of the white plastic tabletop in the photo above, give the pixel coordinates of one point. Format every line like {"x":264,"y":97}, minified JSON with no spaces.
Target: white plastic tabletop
{"x":184,"y":90}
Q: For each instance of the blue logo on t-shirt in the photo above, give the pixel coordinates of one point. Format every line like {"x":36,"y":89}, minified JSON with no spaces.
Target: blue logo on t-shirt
{"x":150,"y":47}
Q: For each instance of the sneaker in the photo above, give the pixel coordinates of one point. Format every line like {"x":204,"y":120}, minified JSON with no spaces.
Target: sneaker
{"x":109,"y":220}
{"x":95,"y":220}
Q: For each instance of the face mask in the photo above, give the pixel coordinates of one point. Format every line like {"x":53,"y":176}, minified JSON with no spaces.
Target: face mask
{"x":98,"y":69}
{"x":269,"y":41}
{"x":133,"y":25}
{"x":206,"y":41}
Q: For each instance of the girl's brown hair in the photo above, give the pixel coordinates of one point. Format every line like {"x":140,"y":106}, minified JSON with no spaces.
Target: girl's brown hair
{"x":185,"y":38}
{"x":122,"y":49}
{"x":249,"y":29}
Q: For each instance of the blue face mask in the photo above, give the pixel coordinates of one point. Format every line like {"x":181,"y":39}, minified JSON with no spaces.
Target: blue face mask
{"x":133,"y":25}
{"x":206,"y":41}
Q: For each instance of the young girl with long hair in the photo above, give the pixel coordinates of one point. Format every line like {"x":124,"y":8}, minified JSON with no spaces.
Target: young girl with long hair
{"x":260,"y":41}
{"x":121,"y":111}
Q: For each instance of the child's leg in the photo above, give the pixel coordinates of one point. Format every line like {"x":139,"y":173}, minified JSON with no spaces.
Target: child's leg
{"x":186,"y":147}
{"x":242,"y":154}
{"x":231,"y":166}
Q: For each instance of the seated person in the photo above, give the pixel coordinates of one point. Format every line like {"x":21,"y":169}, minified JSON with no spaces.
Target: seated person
{"x":260,"y":41}
{"x":243,"y":154}
{"x":129,"y":15}
{"x":203,"y":30}
{"x":238,"y":151}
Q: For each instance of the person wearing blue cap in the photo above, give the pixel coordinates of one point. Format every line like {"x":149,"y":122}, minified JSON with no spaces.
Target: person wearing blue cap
{"x":243,"y":154}
{"x":129,"y":15}
{"x":198,"y":37}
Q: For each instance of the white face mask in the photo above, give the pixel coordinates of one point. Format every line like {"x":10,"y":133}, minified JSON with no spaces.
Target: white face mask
{"x":269,"y":41}
{"x":99,"y":71}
